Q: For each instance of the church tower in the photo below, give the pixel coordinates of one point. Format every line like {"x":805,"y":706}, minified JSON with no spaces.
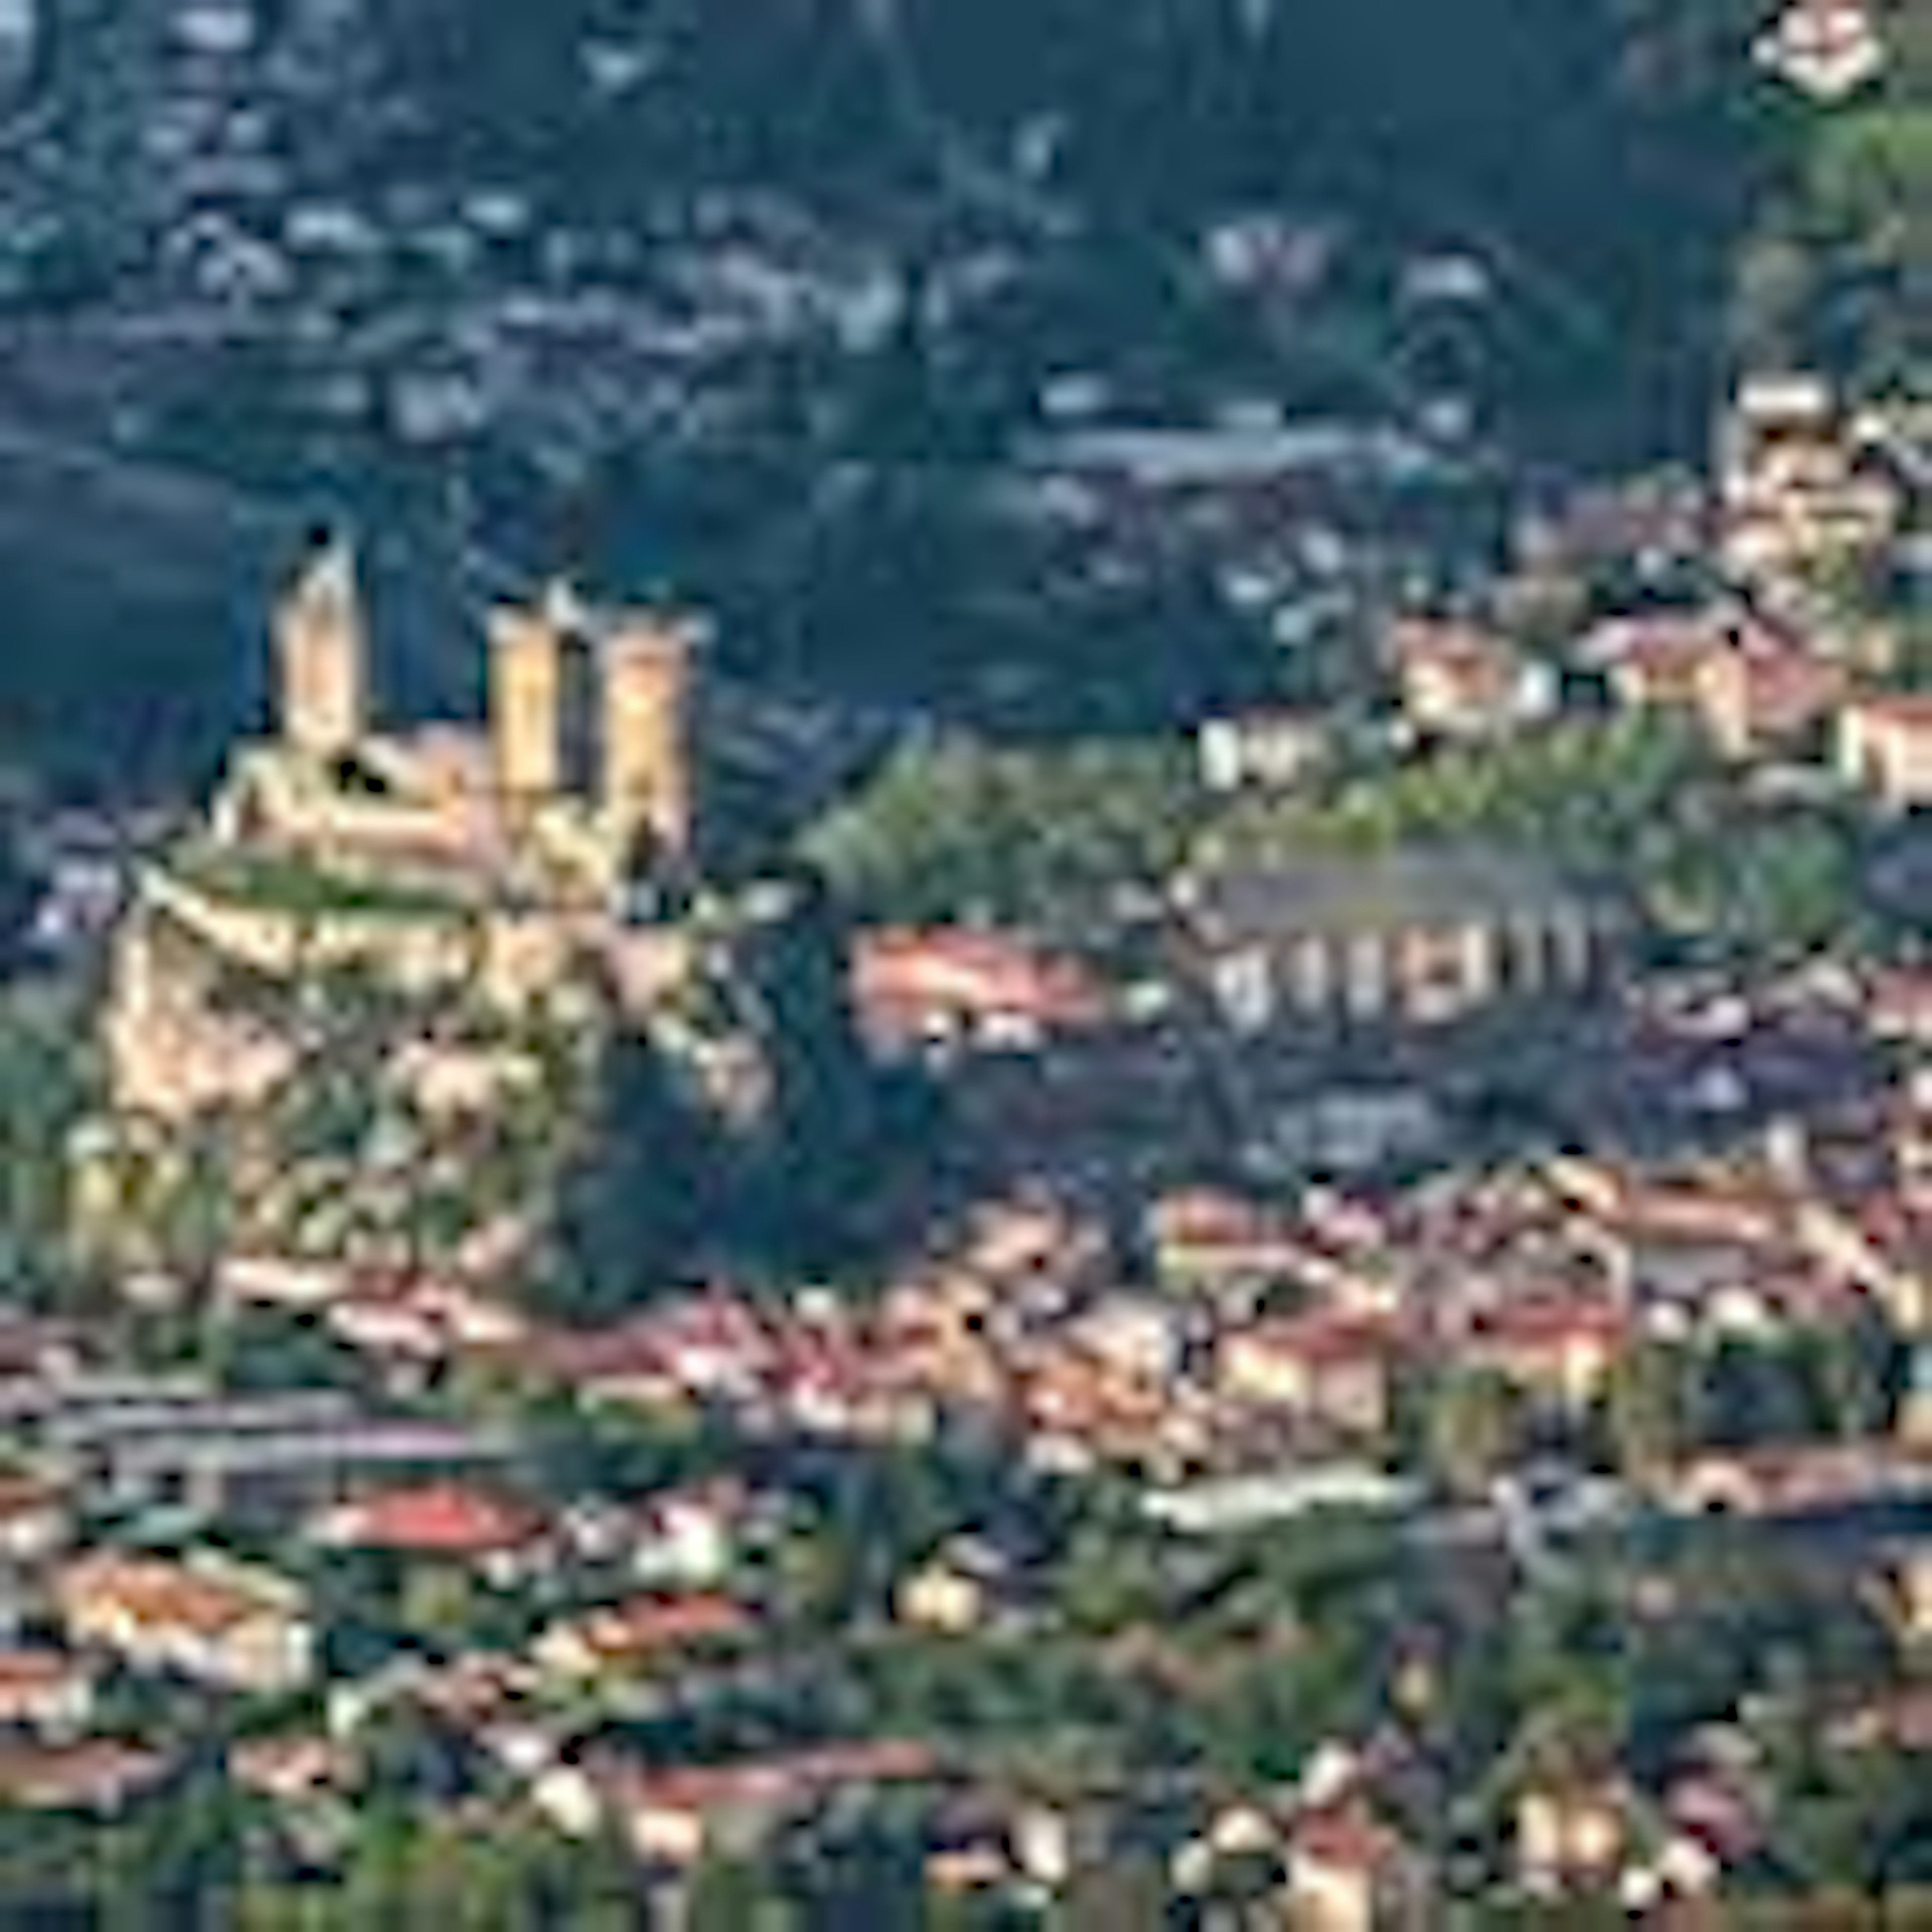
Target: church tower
{"x":322,"y":647}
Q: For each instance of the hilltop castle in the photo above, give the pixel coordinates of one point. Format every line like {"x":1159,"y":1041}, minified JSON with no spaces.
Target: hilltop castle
{"x":553,"y":803}
{"x":509,"y":861}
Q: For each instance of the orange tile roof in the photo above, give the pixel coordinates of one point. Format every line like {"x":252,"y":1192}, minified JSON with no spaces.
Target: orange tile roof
{"x":157,"y":1592}
{"x":23,"y":1672}
{"x":645,"y":1624}
{"x":1348,"y":1837}
{"x":1898,"y":710}
{"x":437,"y":1519}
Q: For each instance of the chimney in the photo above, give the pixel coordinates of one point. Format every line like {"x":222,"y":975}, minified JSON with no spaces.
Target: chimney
{"x":321,"y":646}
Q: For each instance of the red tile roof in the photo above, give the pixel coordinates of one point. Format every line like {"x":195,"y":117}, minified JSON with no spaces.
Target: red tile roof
{"x":644,"y":1624}
{"x":435,"y":1518}
{"x":1531,"y":1327}
{"x":24,"y":1671}
{"x":1325,"y":1338}
{"x":97,"y":1775}
{"x":1897,"y":710}
{"x":971,"y":973}
{"x":1347,"y":1837}
{"x":772,"y":1779}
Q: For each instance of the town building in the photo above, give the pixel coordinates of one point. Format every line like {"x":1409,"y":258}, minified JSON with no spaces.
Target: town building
{"x":1754,"y":686}
{"x":1348,"y":1872}
{"x":219,"y":1624}
{"x":1264,"y":750}
{"x":631,"y":1636}
{"x":1796,"y":490}
{"x":972,"y":986}
{"x":946,"y":1598}
{"x":35,"y":1520}
{"x":449,"y":1523}
{"x":1763,"y":691}
{"x":1654,"y":661}
{"x":1460,"y":681}
{"x":1565,"y":1348}
{"x":1332,"y":1369}
{"x":1885,"y":747}
{"x":45,"y":1691}
{"x":96,"y":1777}
{"x":1827,"y":49}
{"x":1571,"y":1834}
{"x":1403,"y":938}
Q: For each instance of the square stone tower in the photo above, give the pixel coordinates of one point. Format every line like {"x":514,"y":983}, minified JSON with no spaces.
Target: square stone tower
{"x":322,"y":648}
{"x":525,"y":703}
{"x":646,"y":664}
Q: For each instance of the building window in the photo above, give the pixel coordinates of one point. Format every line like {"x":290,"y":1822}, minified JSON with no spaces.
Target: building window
{"x":1244,"y":984}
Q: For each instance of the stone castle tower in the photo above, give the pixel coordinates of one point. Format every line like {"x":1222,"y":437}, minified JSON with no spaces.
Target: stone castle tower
{"x":642,"y":668}
{"x":646,"y":668}
{"x":527,"y":704}
{"x":588,"y":748}
{"x":322,"y":647}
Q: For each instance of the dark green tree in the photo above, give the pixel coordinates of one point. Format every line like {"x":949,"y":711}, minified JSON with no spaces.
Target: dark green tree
{"x":639,"y":1194}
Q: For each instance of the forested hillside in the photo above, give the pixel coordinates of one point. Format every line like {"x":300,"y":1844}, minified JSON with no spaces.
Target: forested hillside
{"x":1609,"y":152}
{"x":765,"y":297}
{"x":1838,"y":267}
